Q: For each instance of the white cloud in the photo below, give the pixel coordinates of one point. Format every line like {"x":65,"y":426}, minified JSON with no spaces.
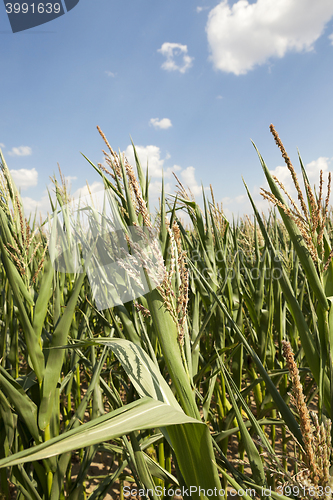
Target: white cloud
{"x":240,"y":205}
{"x":176,"y":168}
{"x":189,"y":180}
{"x":314,"y":167}
{"x":42,"y":206}
{"x":177,"y":58}
{"x":164,"y":123}
{"x":70,"y":178}
{"x":20,"y":151}
{"x":2,"y":145}
{"x":156,"y":166}
{"x":110,"y":74}
{"x":200,"y":9}
{"x":282,"y":173}
{"x":313,"y":172}
{"x":241,"y":198}
{"x":150,"y":154}
{"x":245,"y":35}
{"x":25,"y":178}
{"x":155,"y":188}
{"x":95,"y":187}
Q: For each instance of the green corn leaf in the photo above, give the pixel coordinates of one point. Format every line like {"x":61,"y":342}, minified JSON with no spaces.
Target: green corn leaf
{"x":55,"y":358}
{"x":308,"y":345}
{"x":107,"y":183}
{"x":281,"y":405}
{"x":7,"y":418}
{"x":298,"y":241}
{"x":143,"y":372}
{"x":44,"y":295}
{"x":157,"y":470}
{"x":145,"y":413}
{"x":167,"y":333}
{"x":34,"y":348}
{"x":192,"y":444}
{"x":21,"y":402}
{"x":7,"y":238}
{"x":251,"y":450}
{"x":237,"y":487}
{"x":141,"y":176}
{"x":129,"y":202}
{"x":193,"y":448}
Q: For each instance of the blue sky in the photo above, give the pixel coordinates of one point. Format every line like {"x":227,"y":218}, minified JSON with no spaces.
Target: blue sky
{"x":192,"y":82}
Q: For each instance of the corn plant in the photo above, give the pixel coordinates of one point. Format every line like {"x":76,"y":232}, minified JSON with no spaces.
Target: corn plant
{"x":163,"y":380}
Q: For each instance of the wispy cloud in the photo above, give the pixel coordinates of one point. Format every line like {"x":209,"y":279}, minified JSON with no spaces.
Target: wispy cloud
{"x":25,"y":178}
{"x":110,"y":74}
{"x":200,"y":9}
{"x":70,"y":178}
{"x":246,"y":34}
{"x":20,"y":151}
{"x":177,"y":58}
{"x":2,"y":145}
{"x":164,"y":123}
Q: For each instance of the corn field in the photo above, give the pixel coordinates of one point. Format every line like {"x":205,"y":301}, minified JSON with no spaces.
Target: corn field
{"x":202,"y":363}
